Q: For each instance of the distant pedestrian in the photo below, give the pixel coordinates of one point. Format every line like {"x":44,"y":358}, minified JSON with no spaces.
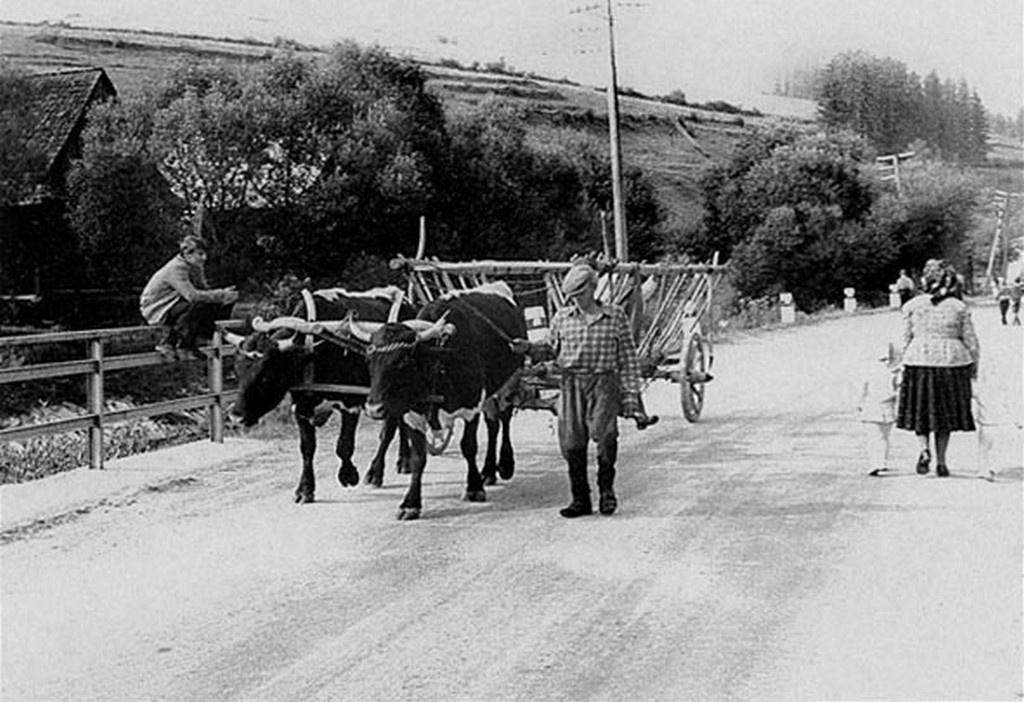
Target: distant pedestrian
{"x":1016,"y":290}
{"x":876,"y":407}
{"x":905,"y":287}
{"x":1002,"y":295}
{"x":178,"y":298}
{"x":940,"y":360}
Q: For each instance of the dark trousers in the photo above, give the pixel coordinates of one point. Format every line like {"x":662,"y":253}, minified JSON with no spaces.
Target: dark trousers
{"x":1004,"y":307}
{"x":189,"y":322}
{"x":905,"y":296}
{"x":588,"y":410}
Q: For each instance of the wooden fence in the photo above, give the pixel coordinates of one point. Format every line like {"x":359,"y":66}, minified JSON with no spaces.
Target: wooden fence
{"x":95,"y":366}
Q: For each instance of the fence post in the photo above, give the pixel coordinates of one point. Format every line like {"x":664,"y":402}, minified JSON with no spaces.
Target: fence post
{"x":216,"y":375}
{"x":849,"y":300}
{"x":787,"y":310}
{"x":894,"y":297}
{"x":94,"y":384}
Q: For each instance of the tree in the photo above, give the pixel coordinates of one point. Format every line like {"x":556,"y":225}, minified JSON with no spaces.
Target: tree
{"x":874,"y":97}
{"x":792,"y":210}
{"x":507,"y":198}
{"x":322,"y":168}
{"x":727,"y":217}
{"x":121,"y":207}
{"x":932,"y":217}
{"x":977,"y":140}
{"x":890,"y":107}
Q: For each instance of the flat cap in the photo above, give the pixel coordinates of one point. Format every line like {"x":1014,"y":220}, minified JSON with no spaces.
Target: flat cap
{"x":578,"y":277}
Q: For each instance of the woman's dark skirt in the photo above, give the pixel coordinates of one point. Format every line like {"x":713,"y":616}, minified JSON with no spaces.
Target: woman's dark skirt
{"x":935,"y":399}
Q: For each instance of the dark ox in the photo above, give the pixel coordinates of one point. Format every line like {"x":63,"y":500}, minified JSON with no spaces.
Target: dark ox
{"x":443,"y":366}
{"x":271,"y":363}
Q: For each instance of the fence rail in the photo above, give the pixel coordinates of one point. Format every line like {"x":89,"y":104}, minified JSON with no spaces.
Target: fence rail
{"x":96,"y":366}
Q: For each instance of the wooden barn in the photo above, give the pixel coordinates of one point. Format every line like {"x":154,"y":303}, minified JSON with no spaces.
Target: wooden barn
{"x":38,"y":252}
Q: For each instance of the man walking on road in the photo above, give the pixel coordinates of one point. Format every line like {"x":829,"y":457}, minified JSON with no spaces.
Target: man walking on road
{"x":1002,"y":294}
{"x":1016,"y":292}
{"x":905,"y":287}
{"x":594,"y":348}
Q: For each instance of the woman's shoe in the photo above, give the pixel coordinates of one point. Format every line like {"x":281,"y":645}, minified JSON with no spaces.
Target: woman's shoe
{"x":924,"y":461}
{"x":942,"y":471}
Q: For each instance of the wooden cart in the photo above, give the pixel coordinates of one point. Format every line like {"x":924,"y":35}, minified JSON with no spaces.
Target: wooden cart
{"x":670,"y":306}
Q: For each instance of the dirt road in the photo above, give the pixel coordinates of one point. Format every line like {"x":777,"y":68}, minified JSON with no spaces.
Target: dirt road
{"x":751,"y":559}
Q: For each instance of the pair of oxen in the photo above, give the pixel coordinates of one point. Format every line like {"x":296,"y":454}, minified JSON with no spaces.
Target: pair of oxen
{"x":424,"y":369}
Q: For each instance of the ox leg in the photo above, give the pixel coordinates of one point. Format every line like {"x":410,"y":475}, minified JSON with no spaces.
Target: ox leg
{"x":507,"y":459}
{"x":490,"y":470}
{"x":404,"y":460}
{"x":412,"y":504}
{"x":306,"y":491}
{"x":474,"y":483}
{"x":348,"y":476}
{"x":375,"y":475}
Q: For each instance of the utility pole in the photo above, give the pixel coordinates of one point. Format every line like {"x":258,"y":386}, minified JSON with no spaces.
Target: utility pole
{"x":1000,"y":240}
{"x":618,"y":207}
{"x":615,"y":146}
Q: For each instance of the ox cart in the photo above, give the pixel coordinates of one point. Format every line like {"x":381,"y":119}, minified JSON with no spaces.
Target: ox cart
{"x":670,"y":307}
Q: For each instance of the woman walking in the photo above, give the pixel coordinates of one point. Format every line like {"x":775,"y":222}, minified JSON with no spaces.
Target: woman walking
{"x":940,"y":360}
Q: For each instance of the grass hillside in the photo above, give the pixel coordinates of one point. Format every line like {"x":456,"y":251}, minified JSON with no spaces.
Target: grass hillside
{"x":671,"y":142}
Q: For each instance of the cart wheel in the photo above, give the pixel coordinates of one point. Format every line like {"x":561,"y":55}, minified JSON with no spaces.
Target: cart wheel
{"x":437,"y":442}
{"x":694,"y":377}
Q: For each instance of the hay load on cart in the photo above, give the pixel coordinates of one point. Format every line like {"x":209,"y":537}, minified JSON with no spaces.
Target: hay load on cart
{"x":670,"y":307}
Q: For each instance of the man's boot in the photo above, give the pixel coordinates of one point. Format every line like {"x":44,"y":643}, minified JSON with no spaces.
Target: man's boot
{"x":606,"y":478}
{"x":580,"y":505}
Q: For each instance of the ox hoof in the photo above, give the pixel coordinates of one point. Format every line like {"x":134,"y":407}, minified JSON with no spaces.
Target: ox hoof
{"x":348,"y":476}
{"x":475,"y":496}
{"x":304,"y":498}
{"x":507,"y":470}
{"x":489,"y":479}
{"x":403,"y":468}
{"x":374,"y":478}
{"x":407,"y":514}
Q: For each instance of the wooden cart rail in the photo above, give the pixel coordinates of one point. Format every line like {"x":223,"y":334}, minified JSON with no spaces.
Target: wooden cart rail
{"x":670,"y":306}
{"x":95,"y":367}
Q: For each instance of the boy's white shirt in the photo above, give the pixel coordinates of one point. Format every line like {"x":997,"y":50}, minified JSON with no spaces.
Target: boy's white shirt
{"x":877,"y":401}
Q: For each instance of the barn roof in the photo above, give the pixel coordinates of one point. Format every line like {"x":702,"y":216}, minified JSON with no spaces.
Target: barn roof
{"x":57,"y":108}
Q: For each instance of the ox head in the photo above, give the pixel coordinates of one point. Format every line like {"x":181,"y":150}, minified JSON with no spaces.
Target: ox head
{"x":267,"y":364}
{"x":398,"y":358}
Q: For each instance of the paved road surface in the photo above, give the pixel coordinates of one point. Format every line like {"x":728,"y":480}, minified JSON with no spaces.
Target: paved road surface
{"x":751,"y":559}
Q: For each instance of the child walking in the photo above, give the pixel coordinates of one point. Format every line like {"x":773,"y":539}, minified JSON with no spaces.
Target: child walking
{"x":993,"y":415}
{"x":876,"y":408}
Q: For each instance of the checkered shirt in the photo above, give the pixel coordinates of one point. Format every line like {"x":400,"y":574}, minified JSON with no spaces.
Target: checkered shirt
{"x":602,"y":344}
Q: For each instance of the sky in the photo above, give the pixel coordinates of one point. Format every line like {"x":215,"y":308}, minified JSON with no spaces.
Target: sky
{"x":709,"y":49}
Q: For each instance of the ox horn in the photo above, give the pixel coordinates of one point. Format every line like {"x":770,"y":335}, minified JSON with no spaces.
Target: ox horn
{"x":233,"y":339}
{"x":236,"y":341}
{"x":363,"y":330}
{"x":425,"y":331}
{"x":396,"y":304}
{"x":295,"y":324}
{"x":292,"y":324}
